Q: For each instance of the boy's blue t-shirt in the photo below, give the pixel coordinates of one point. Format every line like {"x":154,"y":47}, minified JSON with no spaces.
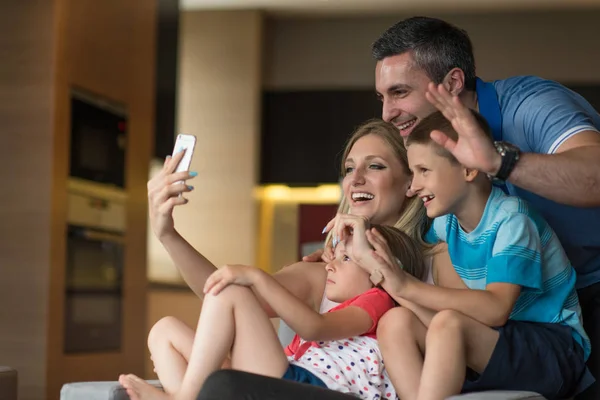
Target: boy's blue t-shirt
{"x":513,"y":244}
{"x":538,"y":116}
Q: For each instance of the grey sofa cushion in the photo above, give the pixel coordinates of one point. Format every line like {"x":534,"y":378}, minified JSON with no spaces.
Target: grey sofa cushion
{"x":96,"y":391}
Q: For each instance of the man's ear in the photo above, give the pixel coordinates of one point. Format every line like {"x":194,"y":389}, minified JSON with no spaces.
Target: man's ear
{"x":470,"y":174}
{"x":454,"y":81}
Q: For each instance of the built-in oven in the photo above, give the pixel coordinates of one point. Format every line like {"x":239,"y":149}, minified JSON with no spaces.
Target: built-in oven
{"x":94,"y":268}
{"x":93,"y":290}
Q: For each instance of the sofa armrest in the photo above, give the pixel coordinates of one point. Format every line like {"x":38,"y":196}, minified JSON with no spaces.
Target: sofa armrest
{"x":96,"y":391}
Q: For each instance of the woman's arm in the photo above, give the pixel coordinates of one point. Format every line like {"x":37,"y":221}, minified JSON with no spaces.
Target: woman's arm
{"x":304,"y":280}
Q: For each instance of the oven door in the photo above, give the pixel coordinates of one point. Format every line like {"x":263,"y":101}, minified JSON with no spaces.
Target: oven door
{"x":93,"y":298}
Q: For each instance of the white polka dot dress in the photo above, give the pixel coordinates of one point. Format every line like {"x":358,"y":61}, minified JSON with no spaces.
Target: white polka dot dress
{"x":351,"y":366}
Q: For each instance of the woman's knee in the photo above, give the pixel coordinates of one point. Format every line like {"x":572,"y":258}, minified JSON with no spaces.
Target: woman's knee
{"x":396,"y":323}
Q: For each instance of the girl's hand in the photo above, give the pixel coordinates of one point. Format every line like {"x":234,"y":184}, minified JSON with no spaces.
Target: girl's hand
{"x":382,"y":259}
{"x":344,"y":225}
{"x":163,"y":195}
{"x":320,"y":255}
{"x":242,"y":275}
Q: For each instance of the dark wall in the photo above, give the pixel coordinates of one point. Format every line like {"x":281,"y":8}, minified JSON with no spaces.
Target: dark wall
{"x":304,"y":132}
{"x":166,"y":76}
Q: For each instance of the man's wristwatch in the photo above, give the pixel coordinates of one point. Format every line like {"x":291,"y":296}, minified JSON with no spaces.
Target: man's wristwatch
{"x":510,"y":156}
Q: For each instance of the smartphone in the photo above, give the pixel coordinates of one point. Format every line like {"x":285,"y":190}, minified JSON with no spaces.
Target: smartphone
{"x":187,"y":143}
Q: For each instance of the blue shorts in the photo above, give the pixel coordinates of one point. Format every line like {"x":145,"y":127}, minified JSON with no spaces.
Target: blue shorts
{"x":298,"y":374}
{"x":542,"y":358}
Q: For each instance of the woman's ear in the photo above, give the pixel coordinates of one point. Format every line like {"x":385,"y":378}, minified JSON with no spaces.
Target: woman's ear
{"x":454,"y":81}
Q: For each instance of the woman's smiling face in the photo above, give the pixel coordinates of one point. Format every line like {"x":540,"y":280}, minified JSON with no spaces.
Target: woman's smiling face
{"x":375,"y":180}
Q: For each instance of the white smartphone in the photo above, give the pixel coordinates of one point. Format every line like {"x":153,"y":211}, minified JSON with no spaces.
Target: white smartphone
{"x":187,"y":143}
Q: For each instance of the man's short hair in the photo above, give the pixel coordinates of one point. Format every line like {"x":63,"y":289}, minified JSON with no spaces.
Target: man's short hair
{"x":421,"y":133}
{"x":437,"y":47}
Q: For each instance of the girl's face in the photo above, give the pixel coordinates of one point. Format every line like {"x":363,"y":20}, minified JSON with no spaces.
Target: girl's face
{"x":345,"y":278}
{"x":375,"y":181}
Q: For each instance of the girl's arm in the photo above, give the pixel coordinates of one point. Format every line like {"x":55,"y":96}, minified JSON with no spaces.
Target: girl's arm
{"x":305,"y":321}
{"x":305,"y":281}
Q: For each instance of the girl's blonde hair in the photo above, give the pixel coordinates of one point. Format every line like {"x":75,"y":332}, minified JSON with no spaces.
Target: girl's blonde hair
{"x":413,"y":219}
{"x":406,"y":250}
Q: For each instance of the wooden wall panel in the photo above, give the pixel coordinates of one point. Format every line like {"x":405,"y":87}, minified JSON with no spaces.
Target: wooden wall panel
{"x":107,"y":48}
{"x":26,"y":81}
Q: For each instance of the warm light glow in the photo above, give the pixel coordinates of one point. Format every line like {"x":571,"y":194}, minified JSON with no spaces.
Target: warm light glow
{"x":323,"y":194}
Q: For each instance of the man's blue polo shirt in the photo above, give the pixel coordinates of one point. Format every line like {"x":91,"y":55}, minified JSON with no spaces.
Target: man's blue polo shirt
{"x":538,"y":116}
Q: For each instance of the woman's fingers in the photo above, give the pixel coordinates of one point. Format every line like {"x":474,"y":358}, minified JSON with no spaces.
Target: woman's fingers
{"x":167,"y":206}
{"x":328,"y":255}
{"x":172,"y":162}
{"x":330,"y":225}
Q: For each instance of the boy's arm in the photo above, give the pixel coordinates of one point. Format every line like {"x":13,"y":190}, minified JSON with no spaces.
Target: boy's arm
{"x":491,"y":306}
{"x":515,"y":263}
{"x":444,"y":275}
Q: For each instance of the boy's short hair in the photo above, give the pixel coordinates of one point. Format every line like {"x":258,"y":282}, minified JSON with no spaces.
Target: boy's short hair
{"x":421,"y":133}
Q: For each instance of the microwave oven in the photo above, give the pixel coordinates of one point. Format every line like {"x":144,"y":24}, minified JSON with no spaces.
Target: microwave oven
{"x":98,"y":139}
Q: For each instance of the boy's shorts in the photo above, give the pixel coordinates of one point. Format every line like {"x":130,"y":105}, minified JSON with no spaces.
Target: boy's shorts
{"x":529,"y":356}
{"x":298,"y":374}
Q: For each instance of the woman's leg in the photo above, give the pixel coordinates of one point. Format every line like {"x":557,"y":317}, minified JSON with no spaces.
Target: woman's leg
{"x":401,"y":338}
{"x":231,"y":321}
{"x":170,"y":342}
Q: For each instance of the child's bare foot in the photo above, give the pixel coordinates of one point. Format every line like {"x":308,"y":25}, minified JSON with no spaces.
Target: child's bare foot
{"x":139,"y":389}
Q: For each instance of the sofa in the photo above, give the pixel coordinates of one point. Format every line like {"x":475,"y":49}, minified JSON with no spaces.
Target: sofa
{"x":8,"y":383}
{"x":114,"y":391}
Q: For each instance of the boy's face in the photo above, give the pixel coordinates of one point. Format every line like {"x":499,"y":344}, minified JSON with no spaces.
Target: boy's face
{"x":439,"y":182}
{"x":345,"y":278}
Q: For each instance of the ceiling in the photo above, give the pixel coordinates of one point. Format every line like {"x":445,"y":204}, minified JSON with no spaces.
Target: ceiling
{"x":382,"y":7}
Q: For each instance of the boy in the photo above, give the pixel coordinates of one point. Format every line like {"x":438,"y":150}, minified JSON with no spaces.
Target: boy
{"x":520,"y":329}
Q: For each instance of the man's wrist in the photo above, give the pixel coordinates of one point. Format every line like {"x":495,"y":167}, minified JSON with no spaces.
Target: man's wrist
{"x":509,"y":155}
{"x":496,"y":164}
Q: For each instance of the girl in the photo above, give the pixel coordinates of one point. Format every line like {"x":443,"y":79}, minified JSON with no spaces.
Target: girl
{"x":337,"y":350}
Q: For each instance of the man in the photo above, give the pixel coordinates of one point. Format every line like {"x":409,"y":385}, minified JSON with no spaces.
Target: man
{"x":553,"y":162}
{"x":547,"y":147}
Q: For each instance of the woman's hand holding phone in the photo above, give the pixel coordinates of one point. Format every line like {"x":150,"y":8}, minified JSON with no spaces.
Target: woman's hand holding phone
{"x":165,"y":192}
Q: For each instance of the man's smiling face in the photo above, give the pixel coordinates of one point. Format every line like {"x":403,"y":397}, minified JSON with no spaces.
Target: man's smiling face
{"x":401,"y":87}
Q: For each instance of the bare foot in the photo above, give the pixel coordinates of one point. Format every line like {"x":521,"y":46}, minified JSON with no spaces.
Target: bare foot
{"x":139,"y":389}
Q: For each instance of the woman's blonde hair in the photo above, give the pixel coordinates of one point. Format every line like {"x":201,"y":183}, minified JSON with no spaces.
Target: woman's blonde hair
{"x":406,"y":250}
{"x":413,"y":219}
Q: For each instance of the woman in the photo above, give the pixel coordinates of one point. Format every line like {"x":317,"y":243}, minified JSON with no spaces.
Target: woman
{"x":375,"y":172}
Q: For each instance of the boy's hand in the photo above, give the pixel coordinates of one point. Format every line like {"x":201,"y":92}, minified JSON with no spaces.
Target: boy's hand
{"x":242,"y":275}
{"x":473,"y":149}
{"x":382,"y":259}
